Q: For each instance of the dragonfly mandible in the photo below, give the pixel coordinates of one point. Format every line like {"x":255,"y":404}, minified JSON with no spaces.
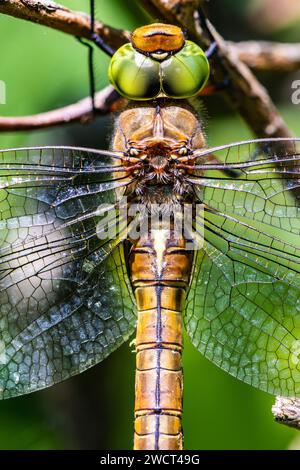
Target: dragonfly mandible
{"x":156,"y":233}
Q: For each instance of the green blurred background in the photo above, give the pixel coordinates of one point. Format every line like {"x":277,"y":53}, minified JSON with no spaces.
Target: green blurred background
{"x":45,"y":69}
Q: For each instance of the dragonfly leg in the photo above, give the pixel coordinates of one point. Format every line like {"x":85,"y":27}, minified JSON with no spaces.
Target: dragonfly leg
{"x":102,"y":44}
{"x":91,"y":56}
{"x":216,"y":87}
{"x":211,"y":89}
{"x":97,"y":40}
{"x":91,"y":72}
{"x":212,"y":49}
{"x":210,"y":52}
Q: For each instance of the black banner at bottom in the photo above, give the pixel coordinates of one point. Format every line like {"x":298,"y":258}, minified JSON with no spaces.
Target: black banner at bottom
{"x":131,"y":459}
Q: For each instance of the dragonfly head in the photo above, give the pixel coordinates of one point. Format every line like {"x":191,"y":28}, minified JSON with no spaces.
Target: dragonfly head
{"x":159,"y":62}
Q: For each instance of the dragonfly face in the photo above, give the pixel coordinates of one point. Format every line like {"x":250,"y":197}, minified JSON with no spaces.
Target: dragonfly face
{"x":75,"y":282}
{"x":159,"y":62}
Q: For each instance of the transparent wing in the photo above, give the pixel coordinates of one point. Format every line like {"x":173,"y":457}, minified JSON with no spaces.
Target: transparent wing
{"x":65,"y":298}
{"x":243,"y":307}
{"x":257,"y":182}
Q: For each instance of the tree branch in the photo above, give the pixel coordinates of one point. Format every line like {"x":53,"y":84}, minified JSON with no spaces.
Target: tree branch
{"x":106,"y":101}
{"x":50,"y":14}
{"x":258,"y":55}
{"x":287,"y":411}
{"x":268,"y":56}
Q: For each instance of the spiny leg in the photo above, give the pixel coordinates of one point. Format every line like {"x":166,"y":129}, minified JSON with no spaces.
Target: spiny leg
{"x":212,"y":89}
{"x":91,"y":57}
{"x":210,"y":52}
{"x":212,"y":49}
{"x":103,"y":46}
{"x":95,"y":37}
{"x":91,"y":73}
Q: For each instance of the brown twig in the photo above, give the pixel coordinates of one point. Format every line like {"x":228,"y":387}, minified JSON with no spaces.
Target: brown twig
{"x":287,"y":411}
{"x":268,"y":56}
{"x":105,"y":102}
{"x":258,"y":55}
{"x":49,"y":13}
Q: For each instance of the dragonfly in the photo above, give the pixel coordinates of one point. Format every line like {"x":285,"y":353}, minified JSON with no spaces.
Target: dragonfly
{"x":157,"y":234}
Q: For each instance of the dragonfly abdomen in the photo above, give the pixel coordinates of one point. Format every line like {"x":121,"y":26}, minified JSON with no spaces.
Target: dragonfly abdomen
{"x":160,"y":271}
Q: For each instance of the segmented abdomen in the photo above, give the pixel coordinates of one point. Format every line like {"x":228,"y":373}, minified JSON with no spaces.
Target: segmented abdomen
{"x":160,"y":271}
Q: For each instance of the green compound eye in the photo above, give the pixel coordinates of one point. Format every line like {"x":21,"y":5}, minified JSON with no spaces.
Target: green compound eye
{"x":134,"y":76}
{"x":138,"y":77}
{"x":186,"y":73}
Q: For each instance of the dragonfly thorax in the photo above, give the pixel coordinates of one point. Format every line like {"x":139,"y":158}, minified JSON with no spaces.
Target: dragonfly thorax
{"x":155,"y":141}
{"x":159,"y":62}
{"x":159,"y":167}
